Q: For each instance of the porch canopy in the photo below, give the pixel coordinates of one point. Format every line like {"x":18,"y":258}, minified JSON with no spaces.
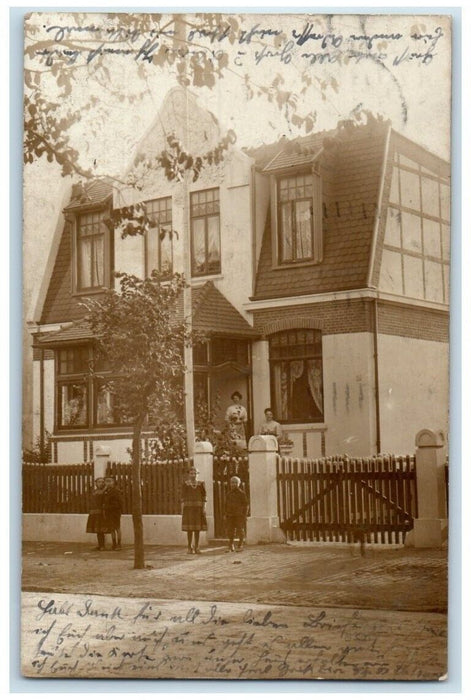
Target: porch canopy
{"x":212,"y":314}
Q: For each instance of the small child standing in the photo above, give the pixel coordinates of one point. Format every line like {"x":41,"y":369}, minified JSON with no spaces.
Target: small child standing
{"x":112,"y":509}
{"x":236,"y":513}
{"x":96,"y":521}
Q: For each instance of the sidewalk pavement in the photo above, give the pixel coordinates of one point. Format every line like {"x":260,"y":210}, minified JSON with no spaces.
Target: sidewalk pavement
{"x":309,"y":574}
{"x":271,"y":611}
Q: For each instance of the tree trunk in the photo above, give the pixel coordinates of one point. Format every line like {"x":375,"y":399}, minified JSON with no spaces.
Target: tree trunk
{"x":137,"y":497}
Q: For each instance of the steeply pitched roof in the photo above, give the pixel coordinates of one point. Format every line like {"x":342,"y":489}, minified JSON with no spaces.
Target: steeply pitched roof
{"x":68,"y":334}
{"x":91,"y":194}
{"x":351,"y":166}
{"x":285,"y":153}
{"x":60,"y":304}
{"x":214,"y":314}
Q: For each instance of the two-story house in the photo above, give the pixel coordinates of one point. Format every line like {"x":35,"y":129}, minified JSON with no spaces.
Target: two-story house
{"x":318,"y":269}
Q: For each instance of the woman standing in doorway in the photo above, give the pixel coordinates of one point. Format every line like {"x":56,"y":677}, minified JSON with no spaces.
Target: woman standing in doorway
{"x":193,"y":510}
{"x":236,"y":419}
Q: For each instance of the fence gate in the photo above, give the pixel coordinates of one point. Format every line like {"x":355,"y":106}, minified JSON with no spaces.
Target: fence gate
{"x":341,"y":499}
{"x":223,"y":469}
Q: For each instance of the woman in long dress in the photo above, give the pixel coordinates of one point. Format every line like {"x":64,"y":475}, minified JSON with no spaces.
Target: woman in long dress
{"x":193,"y":510}
{"x":236,"y":419}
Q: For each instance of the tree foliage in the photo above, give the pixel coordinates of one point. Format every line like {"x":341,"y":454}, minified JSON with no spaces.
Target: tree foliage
{"x":140,"y":341}
{"x":194,"y":49}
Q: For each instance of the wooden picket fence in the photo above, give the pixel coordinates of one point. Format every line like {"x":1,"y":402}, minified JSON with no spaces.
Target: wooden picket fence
{"x":161,"y":485}
{"x":223,"y":469}
{"x":66,"y":488}
{"x":57,"y":488}
{"x":342,"y":499}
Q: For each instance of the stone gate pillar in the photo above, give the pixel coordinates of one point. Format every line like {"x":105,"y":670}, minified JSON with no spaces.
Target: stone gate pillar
{"x":263,"y":524}
{"x":430,"y":526}
{"x":100,"y":461}
{"x":203,"y":461}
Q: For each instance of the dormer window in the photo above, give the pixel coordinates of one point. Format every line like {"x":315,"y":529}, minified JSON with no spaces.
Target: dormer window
{"x":297,"y":213}
{"x":92,"y":252}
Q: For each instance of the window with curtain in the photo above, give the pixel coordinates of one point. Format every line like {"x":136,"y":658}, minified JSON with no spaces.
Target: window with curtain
{"x":84,"y":396}
{"x":90,"y":251}
{"x":296,"y":376}
{"x":159,"y":244}
{"x":205,"y":232}
{"x":72,"y":389}
{"x":299,"y":218}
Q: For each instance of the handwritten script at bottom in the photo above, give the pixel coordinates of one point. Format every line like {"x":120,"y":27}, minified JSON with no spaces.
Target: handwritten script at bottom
{"x":79,"y":636}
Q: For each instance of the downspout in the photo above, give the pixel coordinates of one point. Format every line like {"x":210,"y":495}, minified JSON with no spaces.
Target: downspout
{"x":41,"y":400}
{"x":375,"y":359}
{"x":253,"y":226}
{"x":369,"y":284}
{"x":254,"y":276}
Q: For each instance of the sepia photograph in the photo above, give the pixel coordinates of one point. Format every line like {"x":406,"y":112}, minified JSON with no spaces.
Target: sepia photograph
{"x":235,"y":346}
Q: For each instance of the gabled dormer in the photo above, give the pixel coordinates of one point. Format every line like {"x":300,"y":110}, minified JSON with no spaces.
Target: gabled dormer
{"x":320,"y":212}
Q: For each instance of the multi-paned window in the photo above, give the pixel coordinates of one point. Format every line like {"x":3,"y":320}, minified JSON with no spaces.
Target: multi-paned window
{"x":416,"y":255}
{"x":299,"y":220}
{"x":91,"y":263}
{"x":72,"y":387}
{"x":296,"y":376}
{"x":205,"y":232}
{"x":159,"y":243}
{"x":84,"y":398}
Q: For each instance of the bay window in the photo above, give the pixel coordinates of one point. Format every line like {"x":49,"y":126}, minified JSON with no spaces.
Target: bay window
{"x":84,"y":396}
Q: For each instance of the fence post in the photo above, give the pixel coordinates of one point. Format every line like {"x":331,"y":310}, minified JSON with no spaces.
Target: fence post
{"x":263,"y":524}
{"x":203,"y":461}
{"x":430,"y":527}
{"x":102,"y":456}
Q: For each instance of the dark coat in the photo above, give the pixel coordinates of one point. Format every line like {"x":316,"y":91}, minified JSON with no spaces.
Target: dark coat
{"x":236,"y":503}
{"x":112,"y":507}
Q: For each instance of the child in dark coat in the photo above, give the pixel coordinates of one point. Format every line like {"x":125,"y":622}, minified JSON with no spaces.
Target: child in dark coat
{"x":96,"y":521}
{"x":112,"y":509}
{"x":236,"y":513}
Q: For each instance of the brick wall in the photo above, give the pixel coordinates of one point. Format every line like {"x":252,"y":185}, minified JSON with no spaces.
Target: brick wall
{"x":411,"y":322}
{"x":331,"y":317}
{"x":355,"y":316}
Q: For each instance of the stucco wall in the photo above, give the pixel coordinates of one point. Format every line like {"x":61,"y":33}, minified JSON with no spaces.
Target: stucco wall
{"x":349,"y":398}
{"x":61,"y":527}
{"x":413,"y":388}
{"x":74,"y":451}
{"x":349,"y":394}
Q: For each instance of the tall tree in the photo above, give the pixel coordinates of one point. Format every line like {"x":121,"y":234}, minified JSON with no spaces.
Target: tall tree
{"x":140,"y":340}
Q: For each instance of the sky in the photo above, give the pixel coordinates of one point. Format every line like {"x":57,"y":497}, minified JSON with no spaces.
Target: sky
{"x":396,"y":66}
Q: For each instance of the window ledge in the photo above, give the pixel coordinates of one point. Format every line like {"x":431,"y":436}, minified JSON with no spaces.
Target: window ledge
{"x":290,"y":265}
{"x":197,"y":279}
{"x":304,"y":427}
{"x":89,"y":292}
